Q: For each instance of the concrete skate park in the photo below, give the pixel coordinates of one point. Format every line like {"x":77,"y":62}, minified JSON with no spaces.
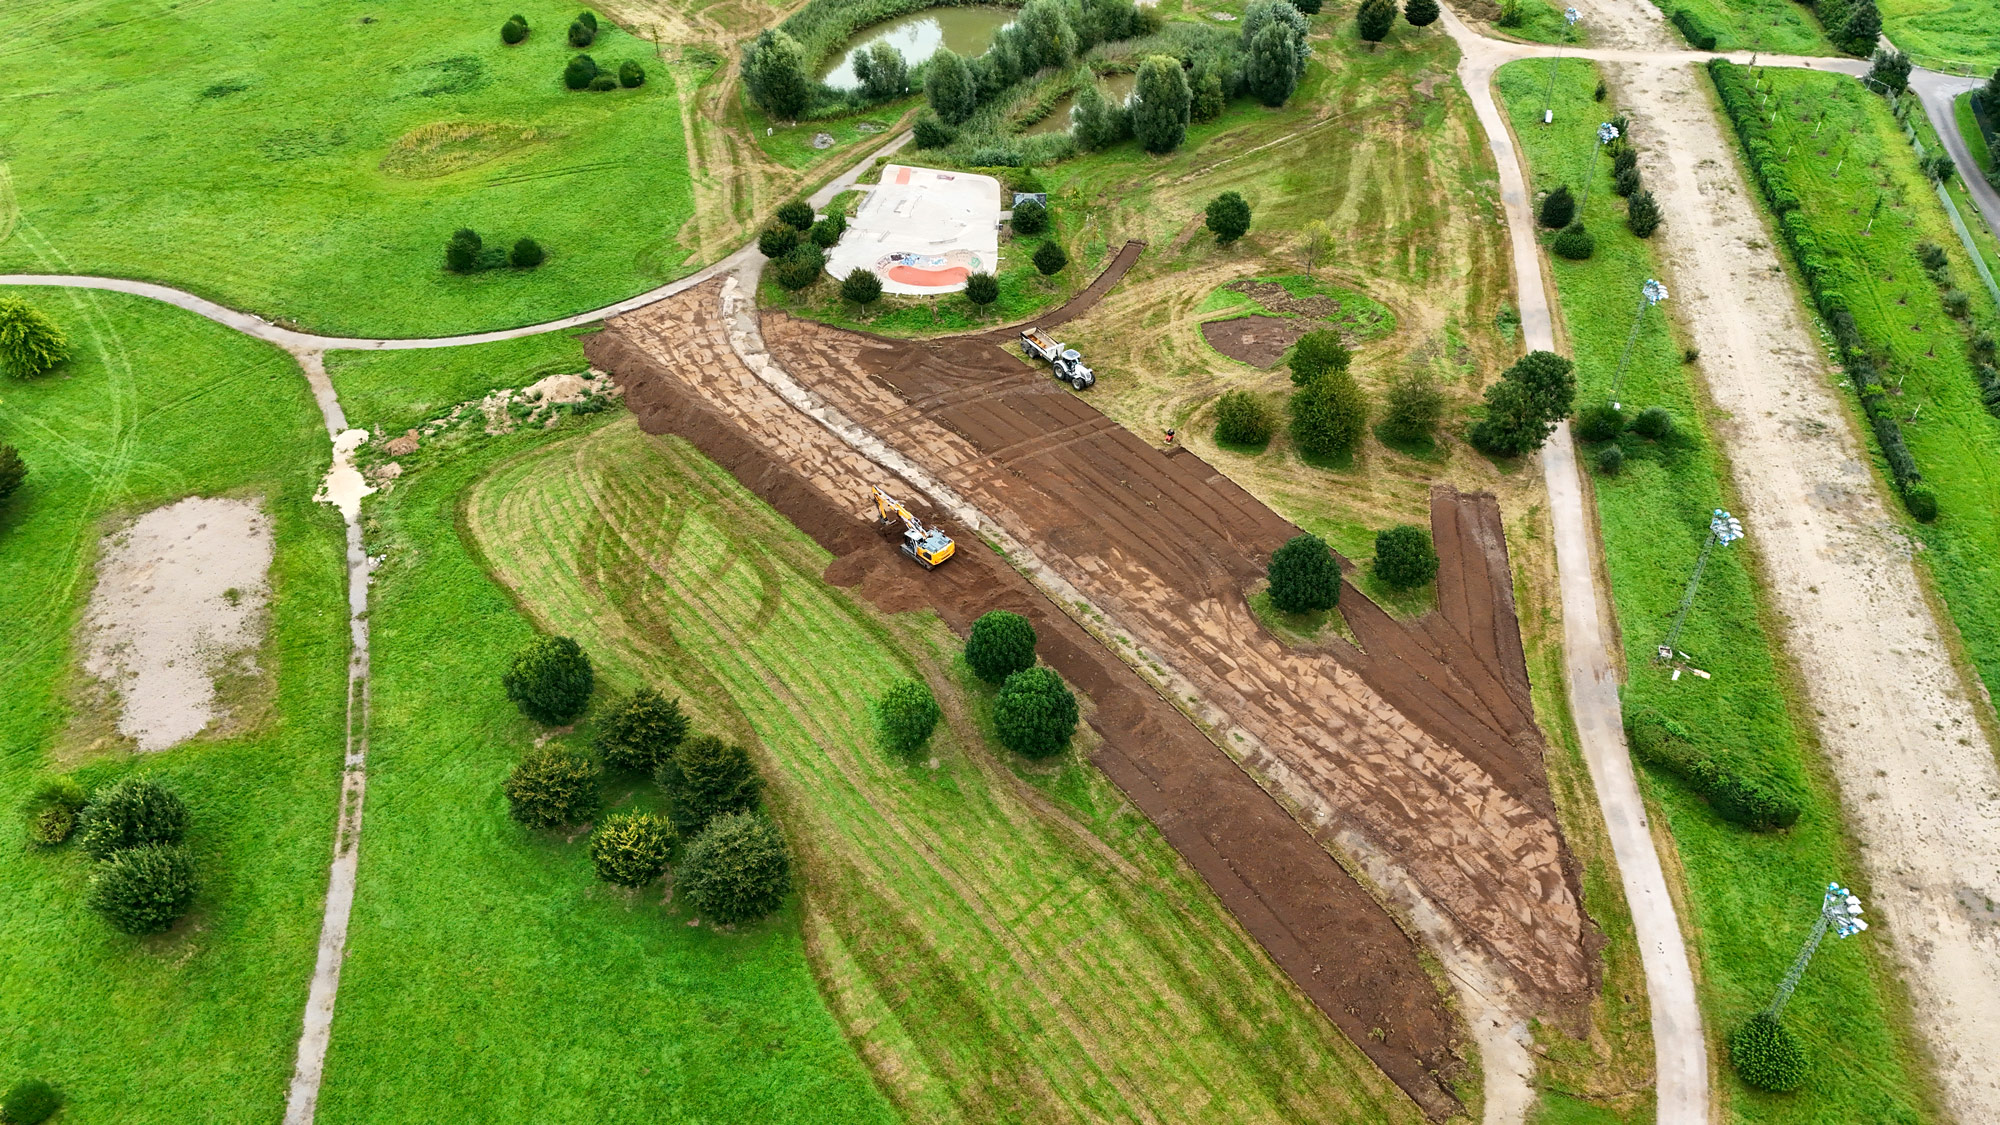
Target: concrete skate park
{"x":922,"y":231}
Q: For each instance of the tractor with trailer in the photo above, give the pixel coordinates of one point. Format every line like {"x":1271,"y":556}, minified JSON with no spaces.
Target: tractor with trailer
{"x":922,"y":542}
{"x":1067,"y":364}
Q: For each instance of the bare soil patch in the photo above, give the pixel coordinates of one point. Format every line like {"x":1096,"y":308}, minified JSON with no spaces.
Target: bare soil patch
{"x":1278,"y":299}
{"x":1260,"y":341}
{"x":179,"y":601}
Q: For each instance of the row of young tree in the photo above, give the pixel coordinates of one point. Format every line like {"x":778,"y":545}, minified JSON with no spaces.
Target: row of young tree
{"x":1559,"y":210}
{"x":1376,"y":18}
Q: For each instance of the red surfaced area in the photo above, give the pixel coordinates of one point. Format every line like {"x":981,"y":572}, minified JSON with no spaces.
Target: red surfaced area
{"x":910,"y":275}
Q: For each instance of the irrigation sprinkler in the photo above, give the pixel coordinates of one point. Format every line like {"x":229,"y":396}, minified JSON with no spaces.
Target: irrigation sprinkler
{"x":1839,"y":911}
{"x":1606,"y":133}
{"x":1650,"y":294}
{"x":1570,"y":18}
{"x":1723,"y":529}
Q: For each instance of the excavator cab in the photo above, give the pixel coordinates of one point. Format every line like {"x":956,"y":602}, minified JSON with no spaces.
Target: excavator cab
{"x":924,"y":543}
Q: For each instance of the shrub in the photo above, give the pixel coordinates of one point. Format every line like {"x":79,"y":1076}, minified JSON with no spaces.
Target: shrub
{"x":527,"y":254}
{"x":981,"y":288}
{"x":1738,"y":799}
{"x":51,"y":811}
{"x":1030,"y":217}
{"x":777,"y":240}
{"x":797,"y":214}
{"x":1035,"y":713}
{"x":999,"y":645}
{"x":641,"y":733}
{"x":1412,"y":408}
{"x":30,"y":1101}
{"x":579,"y":72}
{"x":1574,"y":242}
{"x":513,"y":31}
{"x":705,"y":778}
{"x":1374,"y":19}
{"x":132,"y":812}
{"x":1601,"y":92}
{"x":1642,"y":214}
{"x":631,"y":849}
{"x":551,"y":787}
{"x":631,"y":75}
{"x":1626,"y":182}
{"x":1329,"y":415}
{"x":1304,"y":575}
{"x":1242,"y":418}
{"x":461,"y":253}
{"x":1654,"y":423}
{"x":861,"y":286}
{"x":603,"y":82}
{"x":1307,"y":7}
{"x":906,"y":715}
{"x":737,"y":870}
{"x":1767,"y":1055}
{"x":932,"y":132}
{"x":1050,"y":258}
{"x":1558,"y":208}
{"x":774,"y":73}
{"x":800,"y":267}
{"x":1921,"y":503}
{"x":826,"y":233}
{"x":30,"y":343}
{"x":1404,"y":557}
{"x":144,"y":890}
{"x":1600,"y":423}
{"x":1694,"y":29}
{"x":588,"y":19}
{"x":581,"y":34}
{"x":1316,"y":353}
{"x":1161,"y":104}
{"x":550,"y":680}
{"x":1610,"y":460}
{"x":1228,"y":217}
{"x":1956,"y":303}
{"x":1423,"y":13}
{"x":13,"y":471}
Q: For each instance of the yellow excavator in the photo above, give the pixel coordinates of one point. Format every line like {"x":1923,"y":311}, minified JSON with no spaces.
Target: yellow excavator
{"x":922,"y":542}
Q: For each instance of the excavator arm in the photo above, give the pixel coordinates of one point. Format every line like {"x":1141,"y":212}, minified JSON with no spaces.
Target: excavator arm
{"x":927,"y":545}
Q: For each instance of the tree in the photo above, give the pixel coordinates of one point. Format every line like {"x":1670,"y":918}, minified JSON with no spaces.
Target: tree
{"x":1097,"y":123}
{"x":800,"y":267}
{"x":551,"y":787}
{"x":1642,"y":214}
{"x":1512,"y":426}
{"x":706,"y":777}
{"x":1767,"y":1055}
{"x":982,"y":289}
{"x":461,"y":254}
{"x":30,"y":1101}
{"x":1304,"y":575}
{"x":642,"y":732}
{"x":1315,"y":239}
{"x":1550,"y":381}
{"x":1602,"y":422}
{"x":1574,"y":242}
{"x":144,"y":890}
{"x":1043,"y":36}
{"x":949,"y":87}
{"x":774,"y":71}
{"x":1272,"y":72}
{"x":883,"y":72}
{"x":579,"y":72}
{"x":1412,"y":408}
{"x":527,"y":254}
{"x":1863,"y":28}
{"x":1422,"y":13}
{"x":1328,"y":415}
{"x":1035,"y":713}
{"x":999,"y":645}
{"x":777,"y":240}
{"x":1316,"y":353}
{"x":1242,"y":418}
{"x":826,"y":233}
{"x":1030,"y":217}
{"x":13,"y":471}
{"x":631,"y":75}
{"x":1228,"y":217}
{"x":550,"y":680}
{"x":1375,"y":19}
{"x":132,"y":812}
{"x":737,"y":870}
{"x":1404,"y":557}
{"x":631,"y":849}
{"x":796,"y":214}
{"x":1262,"y":13}
{"x":1558,"y":208}
{"x":1160,"y":104}
{"x":1050,"y":258}
{"x":906,"y":715}
{"x":513,"y":31}
{"x":861,"y":286}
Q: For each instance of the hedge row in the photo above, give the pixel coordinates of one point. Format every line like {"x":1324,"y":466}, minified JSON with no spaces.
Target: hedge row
{"x":1698,"y":34}
{"x":1659,"y":742}
{"x":1822,"y":278}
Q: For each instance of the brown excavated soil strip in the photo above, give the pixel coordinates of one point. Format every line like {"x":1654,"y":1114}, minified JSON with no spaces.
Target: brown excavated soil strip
{"x":1339,"y":945}
{"x":1259,"y":341}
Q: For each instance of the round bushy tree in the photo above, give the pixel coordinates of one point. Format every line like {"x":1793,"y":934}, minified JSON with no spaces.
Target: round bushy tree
{"x":552,"y":786}
{"x":999,"y":645}
{"x":1600,"y":423}
{"x":1375,"y":19}
{"x":906,"y":715}
{"x":1412,"y":409}
{"x":30,"y":343}
{"x":861,"y":286}
{"x":1262,"y":13}
{"x":461,"y":253}
{"x":1624,"y":158}
{"x":641,"y":733}
{"x":706,"y":778}
{"x":1228,"y":217}
{"x":1767,"y":1055}
{"x":1161,"y":104}
{"x":796,"y":214}
{"x":1654,"y":423}
{"x":132,"y":812}
{"x":1030,"y":217}
{"x":1272,"y":71}
{"x":1550,"y":381}
{"x":1420,"y":13}
{"x":1035,"y":713}
{"x":774,"y":72}
{"x":513,"y":31}
{"x":1316,"y":353}
{"x":579,"y":71}
{"x":631,"y":75}
{"x":144,"y":890}
{"x":1242,"y":418}
{"x":13,"y":471}
{"x":1558,"y":208}
{"x":30,"y":1101}
{"x":1610,"y":460}
{"x":982,"y":289}
{"x":1921,"y":502}
{"x":1329,"y":415}
{"x":1513,"y":426}
{"x":581,"y":34}
{"x":631,"y":849}
{"x":51,"y":812}
{"x":1642,"y":214}
{"x":603,"y":82}
{"x":527,"y":254}
{"x":1627,"y":181}
{"x":777,"y":240}
{"x":1574,"y":242}
{"x":587,"y":18}
{"x":737,"y":870}
{"x":1050,"y":258}
{"x":1404,"y":557}
{"x":550,"y":680}
{"x":1304,"y":575}
{"x":800,"y":267}
{"x":826,"y":233}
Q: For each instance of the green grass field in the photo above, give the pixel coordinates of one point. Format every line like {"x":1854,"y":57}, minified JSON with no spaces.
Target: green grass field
{"x":1968,"y":127}
{"x":1781,"y":26}
{"x":201,"y":1022}
{"x":1964,"y":31}
{"x":1750,"y":897}
{"x":270,"y":156}
{"x":391,"y":391}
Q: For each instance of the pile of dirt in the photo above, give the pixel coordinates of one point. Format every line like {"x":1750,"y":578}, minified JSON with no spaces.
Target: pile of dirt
{"x":1260,"y":341}
{"x":540,"y":403}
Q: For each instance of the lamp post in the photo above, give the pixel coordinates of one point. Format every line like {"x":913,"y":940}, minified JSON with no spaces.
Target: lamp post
{"x":1723,"y":529}
{"x":1606,"y":133}
{"x":1839,"y":911}
{"x":1570,"y":18}
{"x":1650,"y":294}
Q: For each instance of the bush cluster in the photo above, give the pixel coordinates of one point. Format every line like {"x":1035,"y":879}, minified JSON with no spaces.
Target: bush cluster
{"x":1241,"y":418}
{"x":1979,"y":343}
{"x":1745,"y":801}
{"x":583,"y":73}
{"x":1767,"y":1055}
{"x":800,"y":267}
{"x":145,"y":880}
{"x":1404,"y":556}
{"x":1304,"y":575}
{"x":1822,"y":277}
{"x":583,"y":30}
{"x":514,"y":30}
{"x":466,"y":252}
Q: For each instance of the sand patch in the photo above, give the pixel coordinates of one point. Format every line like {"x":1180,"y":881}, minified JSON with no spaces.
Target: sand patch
{"x":179,"y":601}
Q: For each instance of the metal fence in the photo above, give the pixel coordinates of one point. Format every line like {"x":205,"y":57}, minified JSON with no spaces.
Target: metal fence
{"x":1944,"y":196}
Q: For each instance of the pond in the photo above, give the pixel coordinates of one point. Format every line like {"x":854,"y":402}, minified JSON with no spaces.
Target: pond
{"x":967,"y":31}
{"x":1116,"y":88}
